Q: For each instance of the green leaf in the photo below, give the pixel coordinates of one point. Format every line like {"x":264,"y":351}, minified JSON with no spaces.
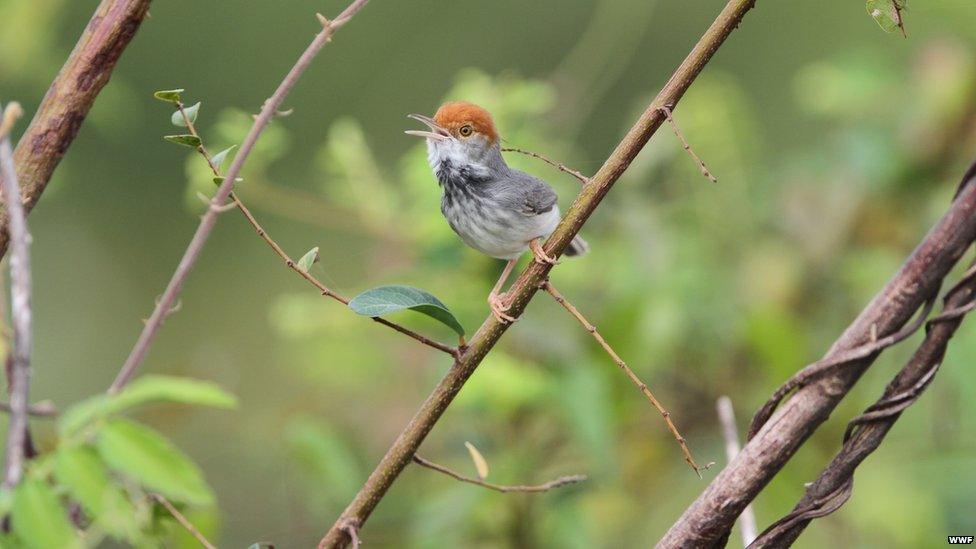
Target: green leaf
{"x":218,"y":159}
{"x":310,"y":258}
{"x":186,"y":140}
{"x":150,"y":459}
{"x":86,"y":477}
{"x":191,"y":113}
{"x":38,"y":519}
{"x":169,"y":96}
{"x":144,"y":390}
{"x":887,"y":13}
{"x":388,"y":299}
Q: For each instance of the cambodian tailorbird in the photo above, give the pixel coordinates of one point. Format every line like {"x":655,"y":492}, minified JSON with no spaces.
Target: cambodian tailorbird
{"x":495,"y":209}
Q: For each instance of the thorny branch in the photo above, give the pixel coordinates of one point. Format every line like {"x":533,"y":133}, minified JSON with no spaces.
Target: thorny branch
{"x":209,"y":219}
{"x":545,"y":487}
{"x":866,"y":432}
{"x":524,"y":288}
{"x":235,"y":202}
{"x":20,"y":306}
{"x":184,"y":522}
{"x":641,"y":386}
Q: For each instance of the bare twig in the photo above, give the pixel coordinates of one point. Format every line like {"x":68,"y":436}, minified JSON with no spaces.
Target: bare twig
{"x":708,"y":520}
{"x":525,"y":287}
{"x":209,"y":219}
{"x":44,"y":408}
{"x":184,"y":522}
{"x":687,"y":147}
{"x":866,"y":432}
{"x":641,"y":386}
{"x":70,"y":96}
{"x":730,"y":432}
{"x":20,"y":305}
{"x":545,"y":487}
{"x":235,"y":202}
{"x":558,"y":165}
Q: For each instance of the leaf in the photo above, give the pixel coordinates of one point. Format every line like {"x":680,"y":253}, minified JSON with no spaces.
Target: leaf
{"x":887,"y":13}
{"x":86,"y":477}
{"x":218,"y":159}
{"x":169,"y":96}
{"x":219,"y":180}
{"x":191,"y":113}
{"x":38,"y":519}
{"x":186,"y":140}
{"x":310,"y":258}
{"x":480,"y":464}
{"x":144,"y":390}
{"x":150,"y":459}
{"x":388,"y":299}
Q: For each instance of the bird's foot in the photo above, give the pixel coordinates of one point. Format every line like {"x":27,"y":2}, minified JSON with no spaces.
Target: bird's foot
{"x":540,"y":255}
{"x":498,"y":305}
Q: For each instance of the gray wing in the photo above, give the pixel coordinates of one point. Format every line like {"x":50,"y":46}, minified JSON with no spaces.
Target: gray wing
{"x":535,"y":196}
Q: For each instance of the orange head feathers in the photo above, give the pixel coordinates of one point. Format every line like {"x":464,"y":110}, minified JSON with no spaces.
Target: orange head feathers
{"x":464,"y":119}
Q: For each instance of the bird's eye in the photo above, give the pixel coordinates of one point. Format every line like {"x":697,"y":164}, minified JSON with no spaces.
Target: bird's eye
{"x":465,"y":130}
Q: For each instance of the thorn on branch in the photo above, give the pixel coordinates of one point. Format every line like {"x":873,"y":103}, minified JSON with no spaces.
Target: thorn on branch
{"x":684,"y":144}
{"x":545,"y":487}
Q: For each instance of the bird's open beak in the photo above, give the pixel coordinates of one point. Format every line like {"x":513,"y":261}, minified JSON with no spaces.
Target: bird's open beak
{"x":436,"y":132}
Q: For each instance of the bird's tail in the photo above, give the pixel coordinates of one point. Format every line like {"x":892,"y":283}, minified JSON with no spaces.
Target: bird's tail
{"x":578,"y":246}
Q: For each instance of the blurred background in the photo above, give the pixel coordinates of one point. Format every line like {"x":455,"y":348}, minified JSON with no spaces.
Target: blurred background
{"x":836,"y":146}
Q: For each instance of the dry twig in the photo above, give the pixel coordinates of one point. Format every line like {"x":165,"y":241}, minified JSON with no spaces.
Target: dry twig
{"x":686,"y":146}
{"x":558,"y":165}
{"x":641,"y":386}
{"x":184,"y":522}
{"x":545,"y":487}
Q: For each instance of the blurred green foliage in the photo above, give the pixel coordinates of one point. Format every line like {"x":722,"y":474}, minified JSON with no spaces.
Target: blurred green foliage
{"x":836,"y":146}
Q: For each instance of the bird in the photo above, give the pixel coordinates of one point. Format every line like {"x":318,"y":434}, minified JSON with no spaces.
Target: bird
{"x":495,"y":209}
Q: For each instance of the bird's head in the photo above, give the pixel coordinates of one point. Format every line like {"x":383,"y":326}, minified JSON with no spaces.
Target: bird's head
{"x":460,"y":132}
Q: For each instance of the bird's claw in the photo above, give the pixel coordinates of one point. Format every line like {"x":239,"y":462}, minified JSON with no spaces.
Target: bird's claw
{"x":540,"y":254}
{"x":496,"y":302}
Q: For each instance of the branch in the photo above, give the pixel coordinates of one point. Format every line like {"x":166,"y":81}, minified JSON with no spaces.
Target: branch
{"x":280,"y":252}
{"x":686,"y":146}
{"x":556,"y":483}
{"x":708,"y":520}
{"x":558,"y":165}
{"x":641,"y":386}
{"x":730,"y":432}
{"x":20,"y":306}
{"x":209,"y":219}
{"x":525,"y":287}
{"x":71,"y":95}
{"x":44,"y":408}
{"x":184,"y":522}
{"x":866,"y":432}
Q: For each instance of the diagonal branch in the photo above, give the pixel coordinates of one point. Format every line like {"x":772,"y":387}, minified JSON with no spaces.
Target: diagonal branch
{"x":71,"y":95}
{"x":20,"y":307}
{"x":641,"y":386}
{"x":866,"y":432}
{"x":708,"y":520}
{"x":558,"y":165}
{"x":545,"y":487}
{"x":403,"y":449}
{"x":209,"y":219}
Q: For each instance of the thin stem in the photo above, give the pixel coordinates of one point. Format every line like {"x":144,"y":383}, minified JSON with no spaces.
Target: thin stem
{"x":558,"y":165}
{"x":730,"y":432}
{"x":545,"y":487}
{"x":184,"y":522}
{"x":44,"y":408}
{"x":288,"y":261}
{"x":641,"y":386}
{"x":20,"y":305}
{"x":687,"y":147}
{"x":209,"y":219}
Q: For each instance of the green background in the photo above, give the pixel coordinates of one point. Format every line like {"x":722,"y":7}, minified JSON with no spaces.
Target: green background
{"x":836,"y":146}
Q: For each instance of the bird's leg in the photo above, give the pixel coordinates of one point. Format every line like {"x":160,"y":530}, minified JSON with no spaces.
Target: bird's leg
{"x":497,"y":299}
{"x":540,"y":255}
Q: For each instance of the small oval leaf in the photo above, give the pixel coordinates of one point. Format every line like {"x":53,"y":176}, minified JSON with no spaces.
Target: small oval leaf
{"x":186,"y":140}
{"x":191,"y":113}
{"x":218,"y":159}
{"x":169,"y":96}
{"x":38,"y":519}
{"x":480,"y":463}
{"x":310,"y":258}
{"x":153,"y":461}
{"x":887,"y":13}
{"x":384,"y":300}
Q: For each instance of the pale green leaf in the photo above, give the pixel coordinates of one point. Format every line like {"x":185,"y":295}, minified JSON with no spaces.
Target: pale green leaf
{"x":169,"y":96}
{"x":186,"y":140}
{"x":218,"y":159}
{"x":191,"y":113}
{"x":310,"y":258}
{"x":147,"y":457}
{"x":384,"y":300}
{"x":38,"y":519}
{"x":86,"y":477}
{"x":887,"y":13}
{"x":480,"y":463}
